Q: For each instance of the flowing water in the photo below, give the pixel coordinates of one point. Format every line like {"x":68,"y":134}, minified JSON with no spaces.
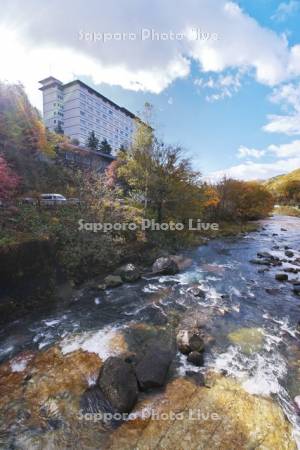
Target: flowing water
{"x":252,"y":317}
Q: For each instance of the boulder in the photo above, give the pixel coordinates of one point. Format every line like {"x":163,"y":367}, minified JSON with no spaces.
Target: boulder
{"x":118,"y":383}
{"x":196,"y":358}
{"x":261,"y":262}
{"x":265,"y":255}
{"x":112,"y":281}
{"x":129,"y":273}
{"x":152,"y":370}
{"x":188,"y":341}
{"x":281,"y":277}
{"x":272,"y":291}
{"x":289,"y":253}
{"x":93,"y":401}
{"x":165,"y":266}
{"x":196,"y":343}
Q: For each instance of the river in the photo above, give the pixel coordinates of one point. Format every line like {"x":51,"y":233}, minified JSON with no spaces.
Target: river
{"x":252,"y":317}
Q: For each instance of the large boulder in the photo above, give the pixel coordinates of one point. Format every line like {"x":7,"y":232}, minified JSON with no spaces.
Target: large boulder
{"x":151,"y":371}
{"x":165,"y":266}
{"x":129,"y":273}
{"x":118,"y":383}
{"x":112,"y":281}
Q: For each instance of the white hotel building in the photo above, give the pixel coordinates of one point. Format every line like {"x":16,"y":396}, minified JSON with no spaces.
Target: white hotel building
{"x":78,"y":109}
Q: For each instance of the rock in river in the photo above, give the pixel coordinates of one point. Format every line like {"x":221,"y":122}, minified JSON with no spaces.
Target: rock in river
{"x":281,"y":277}
{"x":165,"y":266}
{"x":112,"y":281}
{"x":129,"y":273}
{"x":188,"y":341}
{"x":196,"y":358}
{"x":151,"y":371}
{"x":118,"y":383}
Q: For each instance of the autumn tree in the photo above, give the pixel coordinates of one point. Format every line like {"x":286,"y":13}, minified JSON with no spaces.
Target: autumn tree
{"x":9,"y":181}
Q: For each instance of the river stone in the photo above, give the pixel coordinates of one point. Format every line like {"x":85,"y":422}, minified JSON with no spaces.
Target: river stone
{"x":165,"y":266}
{"x":93,"y":401}
{"x":129,"y":273}
{"x":118,"y":383}
{"x":196,"y":343}
{"x":296,"y":289}
{"x":152,"y":370}
{"x":112,"y":281}
{"x":289,"y":253}
{"x":281,"y":277}
{"x":196,"y":358}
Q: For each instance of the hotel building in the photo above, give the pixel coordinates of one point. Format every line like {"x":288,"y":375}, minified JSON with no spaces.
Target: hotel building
{"x":79,"y":109}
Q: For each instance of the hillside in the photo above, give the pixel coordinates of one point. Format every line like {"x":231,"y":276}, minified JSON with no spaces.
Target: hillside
{"x":276,"y":184}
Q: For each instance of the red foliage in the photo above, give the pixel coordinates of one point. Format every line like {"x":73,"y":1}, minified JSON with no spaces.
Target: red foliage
{"x":8,"y":180}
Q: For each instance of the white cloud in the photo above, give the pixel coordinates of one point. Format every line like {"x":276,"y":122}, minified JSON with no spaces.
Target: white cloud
{"x":170,"y":101}
{"x":223,"y":85}
{"x":285,"y":10}
{"x":288,"y":97}
{"x":47,"y":41}
{"x":257,"y":171}
{"x":244,"y":152}
{"x":286,"y":124}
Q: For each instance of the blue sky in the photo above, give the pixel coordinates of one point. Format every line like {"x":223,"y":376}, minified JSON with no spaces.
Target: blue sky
{"x":233,"y":102}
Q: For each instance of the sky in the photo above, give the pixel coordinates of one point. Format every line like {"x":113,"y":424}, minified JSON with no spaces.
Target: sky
{"x":223,"y":76}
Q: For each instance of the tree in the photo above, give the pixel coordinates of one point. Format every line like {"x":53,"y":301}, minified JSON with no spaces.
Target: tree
{"x":9,"y":181}
{"x":290,"y":192}
{"x":58,"y":129}
{"x":104,"y":147}
{"x":92,"y":141}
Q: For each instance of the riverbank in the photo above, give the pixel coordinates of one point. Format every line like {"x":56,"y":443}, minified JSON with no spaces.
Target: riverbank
{"x":38,"y":271}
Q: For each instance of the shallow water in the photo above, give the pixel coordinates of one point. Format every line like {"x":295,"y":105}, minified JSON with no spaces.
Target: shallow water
{"x":265,"y":359}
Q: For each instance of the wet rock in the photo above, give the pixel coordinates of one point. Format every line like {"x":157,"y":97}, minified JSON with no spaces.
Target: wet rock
{"x":93,"y":401}
{"x":196,"y":343}
{"x":112,"y":281}
{"x":289,"y":253}
{"x":291,"y":270}
{"x":152,"y":370}
{"x":129,"y":273}
{"x":197,"y":377}
{"x":240,"y":421}
{"x":265,"y":255}
{"x":275,"y":247}
{"x":118,"y":383}
{"x":263,"y":270}
{"x":197,"y":291}
{"x":165,"y":266}
{"x":188,"y":341}
{"x":262,"y":261}
{"x":153,"y":314}
{"x":250,"y":340}
{"x":283,"y":229}
{"x":182,"y":261}
{"x":272,"y":291}
{"x":281,"y":277}
{"x":196,"y":358}
{"x":296,"y":289}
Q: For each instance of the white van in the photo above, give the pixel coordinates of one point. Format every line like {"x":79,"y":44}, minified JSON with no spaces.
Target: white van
{"x":52,"y":199}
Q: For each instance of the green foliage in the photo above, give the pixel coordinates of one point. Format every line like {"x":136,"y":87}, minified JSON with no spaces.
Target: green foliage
{"x":92,"y":141}
{"x":104,"y":147}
